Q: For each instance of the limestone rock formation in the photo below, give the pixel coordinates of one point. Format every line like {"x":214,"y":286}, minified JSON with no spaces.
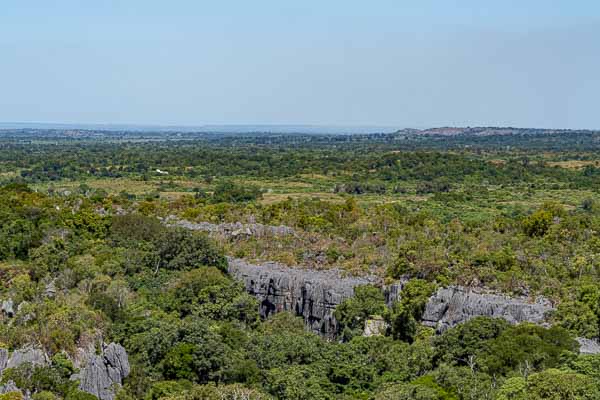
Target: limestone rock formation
{"x":24,"y":313}
{"x":8,"y":308}
{"x":454,"y":305}
{"x":102,"y":373}
{"x":9,"y":387}
{"x":99,"y":374}
{"x":231,"y":229}
{"x":3,"y":359}
{"x":315,"y":294}
{"x":375,"y":326}
{"x":310,"y":294}
{"x":392,"y":292}
{"x":50,"y":289}
{"x":27,"y":354}
{"x":588,"y":346}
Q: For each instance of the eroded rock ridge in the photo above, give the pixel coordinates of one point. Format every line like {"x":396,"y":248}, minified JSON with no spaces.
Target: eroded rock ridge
{"x":315,"y":294}
{"x":231,"y":229}
{"x":99,"y":374}
{"x":308,"y":293}
{"x":457,"y":304}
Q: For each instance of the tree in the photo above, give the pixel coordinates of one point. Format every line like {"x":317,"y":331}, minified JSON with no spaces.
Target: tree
{"x":228,"y":192}
{"x":406,"y":313}
{"x":514,"y":388}
{"x":298,"y":382}
{"x":527,"y":348}
{"x":182,"y":249}
{"x":424,"y":388}
{"x":135,"y":227}
{"x":553,"y":384}
{"x":472,"y":338}
{"x":586,"y":364}
{"x":352,"y":313}
{"x":179,"y":363}
{"x":538,"y":223}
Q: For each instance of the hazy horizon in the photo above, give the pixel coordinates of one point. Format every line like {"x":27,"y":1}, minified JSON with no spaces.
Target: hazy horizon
{"x":225,"y":128}
{"x":335,"y":64}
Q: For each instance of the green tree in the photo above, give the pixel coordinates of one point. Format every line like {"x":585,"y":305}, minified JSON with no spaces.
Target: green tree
{"x":406,"y":313}
{"x":553,"y":384}
{"x":182,"y":249}
{"x":352,"y":313}
{"x":468,"y":342}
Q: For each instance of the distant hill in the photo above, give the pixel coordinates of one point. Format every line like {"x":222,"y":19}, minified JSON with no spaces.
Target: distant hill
{"x":485,"y":131}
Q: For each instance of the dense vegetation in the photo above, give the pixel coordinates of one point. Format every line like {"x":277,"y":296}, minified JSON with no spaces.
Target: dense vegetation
{"x":81,"y":215}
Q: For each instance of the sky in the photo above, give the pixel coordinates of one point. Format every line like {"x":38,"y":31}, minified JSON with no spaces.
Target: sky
{"x":400,"y":63}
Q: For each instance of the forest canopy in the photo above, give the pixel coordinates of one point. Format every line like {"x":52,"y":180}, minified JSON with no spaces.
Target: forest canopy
{"x":90,"y":250}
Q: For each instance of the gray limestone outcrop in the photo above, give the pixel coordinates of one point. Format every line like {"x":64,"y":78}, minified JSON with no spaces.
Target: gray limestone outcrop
{"x":314,"y":295}
{"x":307,"y":293}
{"x":28,"y":354}
{"x":101,"y":374}
{"x":375,"y":326}
{"x":50,"y":289}
{"x":393,"y":292}
{"x":9,"y":387}
{"x":456,"y":304}
{"x":588,"y":346}
{"x":231,"y":229}
{"x":3,"y":359}
{"x":8,"y":308}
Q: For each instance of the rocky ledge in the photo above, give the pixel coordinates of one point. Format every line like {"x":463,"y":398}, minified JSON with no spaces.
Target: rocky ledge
{"x":102,"y":373}
{"x":308,"y":293}
{"x":315,"y":294}
{"x":99,"y":374}
{"x":456,"y":304}
{"x":27,"y":354}
{"x":588,"y":346}
{"x":229,"y":230}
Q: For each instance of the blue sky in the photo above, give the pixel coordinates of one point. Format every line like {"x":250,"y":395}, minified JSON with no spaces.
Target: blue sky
{"x":389,"y":63}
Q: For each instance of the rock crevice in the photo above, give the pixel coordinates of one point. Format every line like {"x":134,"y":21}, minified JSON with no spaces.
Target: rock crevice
{"x":101,"y":374}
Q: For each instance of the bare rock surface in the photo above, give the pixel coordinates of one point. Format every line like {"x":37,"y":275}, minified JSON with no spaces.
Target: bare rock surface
{"x":27,"y":354}
{"x":103,"y":373}
{"x":50,"y":289}
{"x":375,"y":326}
{"x":99,"y":374}
{"x":315,"y":294}
{"x":308,"y":293}
{"x":231,"y":229}
{"x":9,"y":387}
{"x":3,"y":359}
{"x":393,"y":292}
{"x":588,"y":346}
{"x":8,"y":308}
{"x":456,"y":304}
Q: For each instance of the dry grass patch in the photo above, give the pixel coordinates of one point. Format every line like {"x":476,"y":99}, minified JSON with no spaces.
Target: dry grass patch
{"x":574,"y":164}
{"x":272,"y":198}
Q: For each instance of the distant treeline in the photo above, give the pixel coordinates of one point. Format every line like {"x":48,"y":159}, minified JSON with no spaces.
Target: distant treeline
{"x":384,"y":167}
